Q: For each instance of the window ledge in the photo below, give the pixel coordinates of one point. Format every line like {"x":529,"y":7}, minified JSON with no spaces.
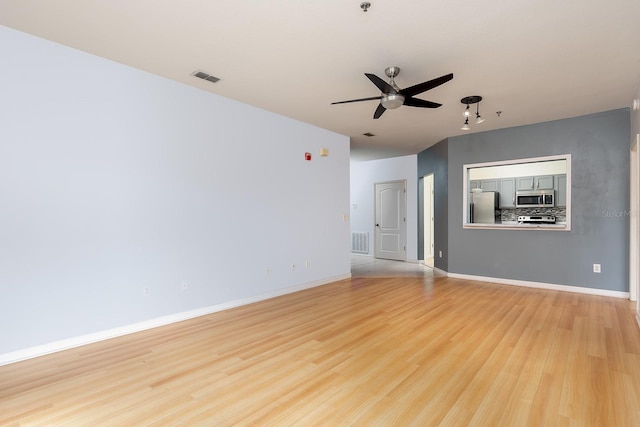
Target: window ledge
{"x":516,"y":226}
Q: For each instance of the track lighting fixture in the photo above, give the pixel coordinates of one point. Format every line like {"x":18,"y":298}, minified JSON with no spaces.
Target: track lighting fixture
{"x":469,"y":100}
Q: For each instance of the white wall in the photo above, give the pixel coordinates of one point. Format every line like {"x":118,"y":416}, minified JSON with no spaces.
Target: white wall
{"x":363,"y":177}
{"x":113,"y":180}
{"x":550,"y":167}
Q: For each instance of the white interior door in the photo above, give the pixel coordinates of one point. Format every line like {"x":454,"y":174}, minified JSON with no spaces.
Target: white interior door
{"x":390,"y":220}
{"x":428,"y":219}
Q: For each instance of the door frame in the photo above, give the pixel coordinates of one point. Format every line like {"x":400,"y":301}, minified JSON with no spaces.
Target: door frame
{"x":429,"y":217}
{"x":634,"y":223}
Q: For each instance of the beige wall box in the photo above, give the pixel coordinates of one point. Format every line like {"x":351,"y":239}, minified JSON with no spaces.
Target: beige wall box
{"x":324,"y":152}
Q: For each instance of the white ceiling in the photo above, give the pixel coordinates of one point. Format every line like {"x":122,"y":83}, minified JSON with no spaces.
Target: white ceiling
{"x":533,"y":60}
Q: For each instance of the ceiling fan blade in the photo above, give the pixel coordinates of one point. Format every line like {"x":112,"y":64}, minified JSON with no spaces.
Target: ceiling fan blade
{"x":415,"y":102}
{"x":425,"y":86}
{"x":358,"y":100}
{"x":379,"y":111}
{"x":381,"y":84}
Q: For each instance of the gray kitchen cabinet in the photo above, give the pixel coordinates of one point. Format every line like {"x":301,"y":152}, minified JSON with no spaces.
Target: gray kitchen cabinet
{"x":544,"y":182}
{"x":489,"y":185}
{"x":484,"y":185}
{"x":507,"y":193}
{"x":560,"y":182}
{"x":524,"y":183}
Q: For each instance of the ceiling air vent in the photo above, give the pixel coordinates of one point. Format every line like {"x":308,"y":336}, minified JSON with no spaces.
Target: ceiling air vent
{"x":369,"y":134}
{"x":205,"y":76}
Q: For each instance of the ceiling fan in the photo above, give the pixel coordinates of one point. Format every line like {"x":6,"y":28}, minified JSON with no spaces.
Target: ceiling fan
{"x":393,"y":97}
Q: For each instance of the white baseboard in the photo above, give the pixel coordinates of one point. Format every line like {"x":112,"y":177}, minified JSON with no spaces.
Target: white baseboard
{"x":638,"y":318}
{"x":440,"y":273}
{"x":540,"y":285}
{"x":41,"y":350}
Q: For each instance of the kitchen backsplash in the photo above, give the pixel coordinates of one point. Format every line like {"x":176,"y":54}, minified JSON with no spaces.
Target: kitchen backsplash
{"x":511,"y":215}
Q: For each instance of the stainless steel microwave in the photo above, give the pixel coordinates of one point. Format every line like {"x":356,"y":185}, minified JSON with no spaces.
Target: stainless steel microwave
{"x":535,"y":199}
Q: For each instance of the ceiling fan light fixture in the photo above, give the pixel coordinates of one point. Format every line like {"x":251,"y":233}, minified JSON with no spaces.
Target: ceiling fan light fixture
{"x":392,"y":97}
{"x":392,"y":101}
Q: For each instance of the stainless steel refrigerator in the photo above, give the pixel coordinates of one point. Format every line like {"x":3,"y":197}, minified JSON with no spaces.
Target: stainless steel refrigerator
{"x":485,"y":207}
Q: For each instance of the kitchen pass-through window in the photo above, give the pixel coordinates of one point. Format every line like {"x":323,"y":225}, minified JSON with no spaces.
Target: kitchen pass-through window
{"x":530,"y":193}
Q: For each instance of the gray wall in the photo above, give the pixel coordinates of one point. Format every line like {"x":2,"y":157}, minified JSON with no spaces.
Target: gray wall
{"x":599,"y":145}
{"x":435,"y":161}
{"x":635,"y":117}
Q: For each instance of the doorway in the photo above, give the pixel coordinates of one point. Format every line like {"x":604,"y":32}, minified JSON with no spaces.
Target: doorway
{"x":390,"y":220}
{"x":634,"y":224}
{"x":428,"y":220}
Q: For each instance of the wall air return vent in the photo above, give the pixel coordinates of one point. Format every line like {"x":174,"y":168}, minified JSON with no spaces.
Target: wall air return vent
{"x":359,"y":242}
{"x":204,"y":76}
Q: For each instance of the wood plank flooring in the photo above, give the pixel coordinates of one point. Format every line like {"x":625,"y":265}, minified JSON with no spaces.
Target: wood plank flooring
{"x":405,"y":351}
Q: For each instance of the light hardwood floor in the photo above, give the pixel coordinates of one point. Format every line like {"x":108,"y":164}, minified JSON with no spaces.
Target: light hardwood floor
{"x":405,"y":351}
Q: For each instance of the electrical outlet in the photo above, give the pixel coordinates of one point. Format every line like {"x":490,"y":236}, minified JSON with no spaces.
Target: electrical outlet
{"x":306,"y":264}
{"x":268,"y":271}
{"x":147,"y":291}
{"x":596,"y":268}
{"x":293,"y":267}
{"x":184,"y":285}
{"x":440,"y":254}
